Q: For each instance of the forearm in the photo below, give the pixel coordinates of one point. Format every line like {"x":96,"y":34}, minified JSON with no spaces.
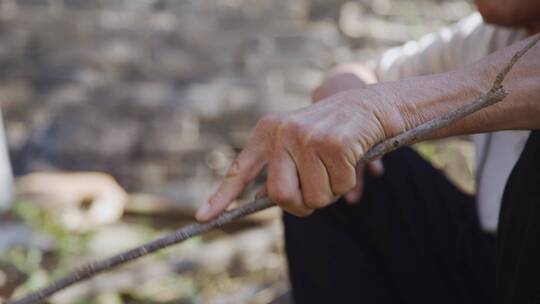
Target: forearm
{"x":311,"y":153}
{"x":420,"y":99}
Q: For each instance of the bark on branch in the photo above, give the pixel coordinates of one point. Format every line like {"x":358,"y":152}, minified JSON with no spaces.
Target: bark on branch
{"x":495,"y":94}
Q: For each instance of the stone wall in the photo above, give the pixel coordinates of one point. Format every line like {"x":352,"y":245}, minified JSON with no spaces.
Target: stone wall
{"x":161,"y":94}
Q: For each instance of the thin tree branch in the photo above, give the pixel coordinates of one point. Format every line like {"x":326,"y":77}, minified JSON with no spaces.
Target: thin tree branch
{"x":495,"y":94}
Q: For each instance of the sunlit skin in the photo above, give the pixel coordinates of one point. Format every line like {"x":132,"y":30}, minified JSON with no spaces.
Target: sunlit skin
{"x":511,"y":13}
{"x":311,"y":153}
{"x":522,"y":14}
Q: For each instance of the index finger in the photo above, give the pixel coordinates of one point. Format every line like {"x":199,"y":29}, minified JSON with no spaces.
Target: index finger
{"x":244,"y":169}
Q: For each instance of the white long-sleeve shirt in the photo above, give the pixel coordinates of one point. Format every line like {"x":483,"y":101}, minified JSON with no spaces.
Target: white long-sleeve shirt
{"x":6,"y":178}
{"x":464,"y":43}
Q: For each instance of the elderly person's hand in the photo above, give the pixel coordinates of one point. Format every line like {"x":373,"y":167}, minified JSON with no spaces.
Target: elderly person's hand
{"x":311,"y":153}
{"x":342,"y":78}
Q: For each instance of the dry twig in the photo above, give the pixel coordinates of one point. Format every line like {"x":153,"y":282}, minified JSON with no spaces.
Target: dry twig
{"x":496,"y":94}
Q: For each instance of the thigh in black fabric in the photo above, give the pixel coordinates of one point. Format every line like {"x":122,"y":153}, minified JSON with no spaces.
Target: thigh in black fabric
{"x":518,"y":249}
{"x":326,"y":265}
{"x":427,"y":233}
{"x":413,"y":238}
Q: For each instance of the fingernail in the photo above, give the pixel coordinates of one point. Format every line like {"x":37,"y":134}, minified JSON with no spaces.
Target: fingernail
{"x":202,"y":213}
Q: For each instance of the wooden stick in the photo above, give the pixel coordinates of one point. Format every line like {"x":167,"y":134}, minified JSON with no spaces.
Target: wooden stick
{"x":493,"y":96}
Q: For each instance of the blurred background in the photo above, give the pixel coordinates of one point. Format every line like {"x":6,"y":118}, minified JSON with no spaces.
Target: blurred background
{"x":121,"y":116}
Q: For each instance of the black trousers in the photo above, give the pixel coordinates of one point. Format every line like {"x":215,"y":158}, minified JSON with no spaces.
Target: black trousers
{"x":518,"y":247}
{"x":413,"y":238}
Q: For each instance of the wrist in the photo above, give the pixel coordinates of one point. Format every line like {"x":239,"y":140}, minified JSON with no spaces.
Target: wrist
{"x":429,"y":97}
{"x":379,"y":105}
{"x":402,"y":105}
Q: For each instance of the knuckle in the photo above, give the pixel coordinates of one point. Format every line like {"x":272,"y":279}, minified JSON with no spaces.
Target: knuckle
{"x":349,"y":178}
{"x":280,"y":196}
{"x":315,"y":201}
{"x":269,"y":121}
{"x":291,"y":125}
{"x":307,"y":136}
{"x":344,"y":187}
{"x":302,"y":213}
{"x":349,"y":183}
{"x":337,"y":142}
{"x":235,"y":169}
{"x":342,"y":182}
{"x":235,"y":173}
{"x":332,"y":143}
{"x":319,"y":138}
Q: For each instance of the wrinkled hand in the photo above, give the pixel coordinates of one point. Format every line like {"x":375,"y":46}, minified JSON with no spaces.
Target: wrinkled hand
{"x":311,"y":153}
{"x":340,"y":79}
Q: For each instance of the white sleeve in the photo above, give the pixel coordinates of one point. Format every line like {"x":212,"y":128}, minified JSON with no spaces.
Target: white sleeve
{"x":6,"y":178}
{"x":464,"y":42}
